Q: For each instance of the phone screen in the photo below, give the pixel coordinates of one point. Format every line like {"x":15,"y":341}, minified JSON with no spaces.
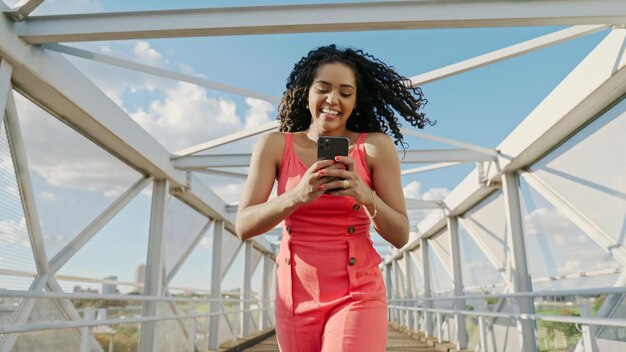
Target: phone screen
{"x":328,"y":147}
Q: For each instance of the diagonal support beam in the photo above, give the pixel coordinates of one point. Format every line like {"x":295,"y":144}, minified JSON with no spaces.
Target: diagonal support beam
{"x":592,"y":230}
{"x":26,"y":8}
{"x":506,"y":53}
{"x":27,"y":193}
{"x":5,"y":87}
{"x":187,"y":253}
{"x":97,"y":224}
{"x":227,"y":139}
{"x":85,"y":54}
{"x":430,"y":167}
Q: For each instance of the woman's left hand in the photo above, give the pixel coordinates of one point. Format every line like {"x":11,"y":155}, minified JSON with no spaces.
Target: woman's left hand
{"x":349,"y":182}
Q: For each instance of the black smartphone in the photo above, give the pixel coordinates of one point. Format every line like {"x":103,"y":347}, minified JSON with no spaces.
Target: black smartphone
{"x":329,"y":147}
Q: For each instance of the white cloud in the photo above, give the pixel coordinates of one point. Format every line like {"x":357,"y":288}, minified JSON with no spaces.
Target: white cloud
{"x":48,"y":196}
{"x":412,"y":190}
{"x":147,"y":55}
{"x":230,"y":193}
{"x":258,"y":112}
{"x":549,"y":221}
{"x":436,"y":193}
{"x":207,"y":243}
{"x":14,"y":232}
{"x":65,"y":159}
{"x":187,"y":116}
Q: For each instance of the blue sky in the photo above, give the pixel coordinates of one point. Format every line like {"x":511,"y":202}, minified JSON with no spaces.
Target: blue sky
{"x":479,"y":107}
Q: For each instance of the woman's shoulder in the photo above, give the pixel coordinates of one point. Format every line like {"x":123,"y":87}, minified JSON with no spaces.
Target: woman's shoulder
{"x":376,"y":141}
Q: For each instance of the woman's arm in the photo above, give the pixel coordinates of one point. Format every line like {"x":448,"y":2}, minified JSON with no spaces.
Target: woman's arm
{"x":391,"y":220}
{"x":255,"y":215}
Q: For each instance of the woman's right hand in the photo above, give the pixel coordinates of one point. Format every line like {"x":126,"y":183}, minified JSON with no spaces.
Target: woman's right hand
{"x":307,"y":190}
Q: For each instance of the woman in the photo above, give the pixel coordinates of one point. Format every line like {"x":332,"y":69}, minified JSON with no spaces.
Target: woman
{"x":330,"y":293}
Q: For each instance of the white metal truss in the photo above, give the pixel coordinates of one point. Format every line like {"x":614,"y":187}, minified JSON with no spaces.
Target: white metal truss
{"x":41,"y":75}
{"x":506,"y":53}
{"x":457,"y":280}
{"x":24,"y":8}
{"x":337,"y":17}
{"x":85,"y":54}
{"x":155,"y":264}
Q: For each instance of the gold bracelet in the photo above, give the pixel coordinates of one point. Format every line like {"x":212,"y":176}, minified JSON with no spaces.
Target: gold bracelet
{"x":375,"y":207}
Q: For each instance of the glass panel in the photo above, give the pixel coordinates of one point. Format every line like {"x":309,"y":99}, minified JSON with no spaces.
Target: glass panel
{"x":74,"y":179}
{"x":48,"y":310}
{"x":440,"y":282}
{"x":558,"y":248}
{"x":486,"y":222}
{"x":589,"y":171}
{"x":16,"y":255}
{"x":116,"y":253}
{"x":182,"y":226}
{"x":479,"y":274}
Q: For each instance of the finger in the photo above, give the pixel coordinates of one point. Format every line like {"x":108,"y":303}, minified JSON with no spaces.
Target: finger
{"x":337,"y":173}
{"x":336,"y":185}
{"x":348,"y":161}
{"x":318,"y":165}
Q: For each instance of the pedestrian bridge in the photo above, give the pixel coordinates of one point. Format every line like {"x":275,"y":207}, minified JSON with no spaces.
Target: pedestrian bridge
{"x":111,"y":241}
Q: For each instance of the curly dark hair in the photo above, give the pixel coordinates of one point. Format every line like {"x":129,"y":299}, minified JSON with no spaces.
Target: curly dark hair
{"x":380,"y":91}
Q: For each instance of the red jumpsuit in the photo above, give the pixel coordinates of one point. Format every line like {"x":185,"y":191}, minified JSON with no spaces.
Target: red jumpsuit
{"x":330,"y":294}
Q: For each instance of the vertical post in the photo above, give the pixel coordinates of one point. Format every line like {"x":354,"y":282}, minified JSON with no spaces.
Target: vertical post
{"x":89,"y":314}
{"x":247,"y":288}
{"x":517,"y":249}
{"x":427,"y":291}
{"x":216,"y":283}
{"x":397,"y":313}
{"x":153,"y":285}
{"x":439,"y":328}
{"x":589,"y":331}
{"x":483,"y":333}
{"x":457,"y":273}
{"x":265,"y":292}
{"x":389,"y":284}
{"x":408,"y":279}
{"x":191,"y":329}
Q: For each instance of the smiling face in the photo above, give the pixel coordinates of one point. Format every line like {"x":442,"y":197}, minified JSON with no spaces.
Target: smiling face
{"x":332,"y":97}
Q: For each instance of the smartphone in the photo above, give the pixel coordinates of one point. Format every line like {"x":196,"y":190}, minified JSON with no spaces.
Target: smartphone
{"x":329,"y":147}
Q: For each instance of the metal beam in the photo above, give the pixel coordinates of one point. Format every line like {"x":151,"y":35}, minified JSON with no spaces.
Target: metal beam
{"x":22,"y":313}
{"x":154,"y":265}
{"x":5,"y":87}
{"x":216,"y":285}
{"x":387,"y":15}
{"x":194,"y":162}
{"x":248,"y":269}
{"x":412,"y":203}
{"x":25,"y":185}
{"x":519,"y":265}
{"x":430,"y":167}
{"x":227,"y":139}
{"x":506,"y":53}
{"x":489,"y":154}
{"x":85,"y":54}
{"x":427,"y":287}
{"x":592,"y":230}
{"x":457,"y":279}
{"x":24,"y":10}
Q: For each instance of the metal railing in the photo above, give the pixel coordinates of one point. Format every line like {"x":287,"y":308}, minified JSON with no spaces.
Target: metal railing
{"x":89,"y":321}
{"x":400,"y":313}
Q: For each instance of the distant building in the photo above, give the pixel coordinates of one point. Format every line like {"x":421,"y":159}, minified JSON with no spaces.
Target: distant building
{"x":140,"y":277}
{"x":79,"y":289}
{"x":110,"y":288}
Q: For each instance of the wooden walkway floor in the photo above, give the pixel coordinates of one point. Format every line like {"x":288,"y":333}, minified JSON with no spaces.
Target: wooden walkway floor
{"x":397,"y":341}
